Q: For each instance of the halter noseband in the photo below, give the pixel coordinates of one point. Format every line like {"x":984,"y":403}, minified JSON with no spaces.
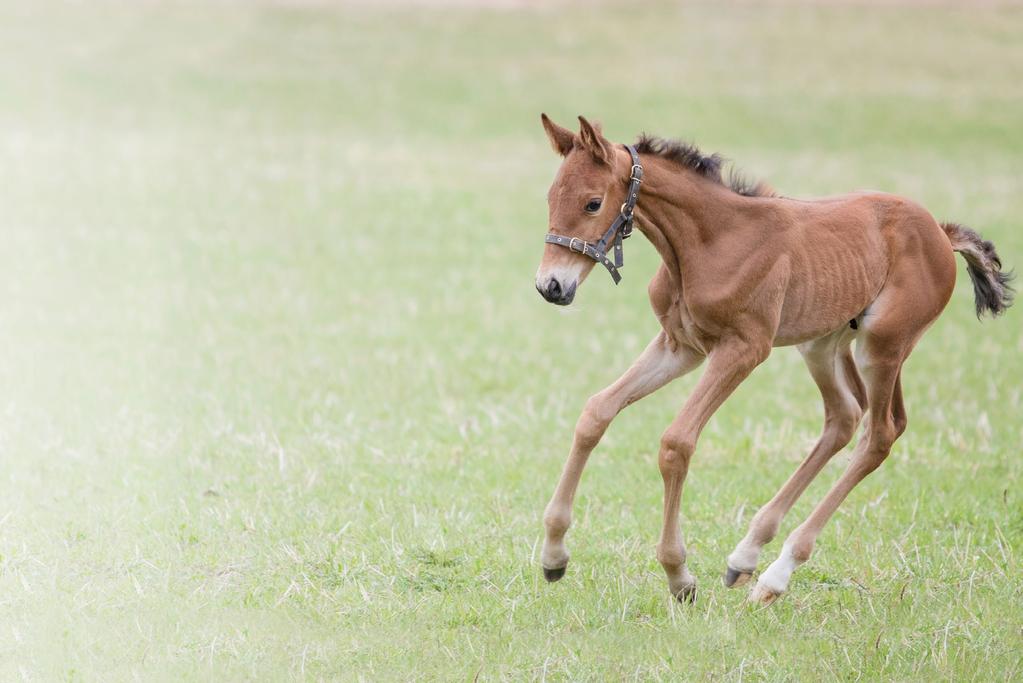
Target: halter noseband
{"x":619,"y":230}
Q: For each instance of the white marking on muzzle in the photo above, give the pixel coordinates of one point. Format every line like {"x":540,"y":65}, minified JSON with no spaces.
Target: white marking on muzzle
{"x":567,"y":274}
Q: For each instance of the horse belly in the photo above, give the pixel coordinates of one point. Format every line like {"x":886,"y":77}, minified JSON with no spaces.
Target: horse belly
{"x":836,"y":275}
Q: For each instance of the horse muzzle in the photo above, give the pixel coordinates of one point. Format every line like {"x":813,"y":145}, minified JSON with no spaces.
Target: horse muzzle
{"x":555,"y":292}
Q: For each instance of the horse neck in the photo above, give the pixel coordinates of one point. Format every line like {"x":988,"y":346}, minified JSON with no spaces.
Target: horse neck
{"x":684,"y":214}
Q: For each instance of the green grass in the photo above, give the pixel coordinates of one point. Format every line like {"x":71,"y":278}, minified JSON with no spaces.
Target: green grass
{"x":278,"y":400}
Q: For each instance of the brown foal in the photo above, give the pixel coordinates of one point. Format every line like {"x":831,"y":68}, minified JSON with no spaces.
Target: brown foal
{"x":744,"y":271}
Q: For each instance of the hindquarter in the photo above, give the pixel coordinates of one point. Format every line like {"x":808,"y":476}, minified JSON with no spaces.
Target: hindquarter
{"x":919,"y":282}
{"x":845,"y":253}
{"x":922,"y":272}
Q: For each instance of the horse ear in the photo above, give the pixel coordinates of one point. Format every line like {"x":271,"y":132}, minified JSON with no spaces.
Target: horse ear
{"x":594,"y":142}
{"x":561,"y":139}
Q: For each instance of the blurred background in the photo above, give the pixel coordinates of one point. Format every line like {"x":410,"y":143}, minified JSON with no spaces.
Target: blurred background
{"x":278,"y":398}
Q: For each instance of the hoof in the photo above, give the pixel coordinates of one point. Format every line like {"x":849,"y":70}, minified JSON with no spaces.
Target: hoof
{"x":687,"y":596}
{"x":553,"y":575}
{"x":763,"y":595}
{"x":734,"y":578}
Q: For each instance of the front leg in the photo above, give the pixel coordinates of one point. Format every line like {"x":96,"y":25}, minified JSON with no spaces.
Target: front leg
{"x":729,"y":365}
{"x":656,"y":366}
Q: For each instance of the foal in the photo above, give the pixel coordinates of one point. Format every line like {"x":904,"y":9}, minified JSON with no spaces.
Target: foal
{"x":744,"y":271}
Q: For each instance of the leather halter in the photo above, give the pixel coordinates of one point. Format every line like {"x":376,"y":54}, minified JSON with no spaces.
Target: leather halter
{"x":619,"y":230}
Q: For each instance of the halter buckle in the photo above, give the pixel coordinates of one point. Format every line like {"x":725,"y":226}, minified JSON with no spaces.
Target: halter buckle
{"x":636,"y":174}
{"x":572,"y":247}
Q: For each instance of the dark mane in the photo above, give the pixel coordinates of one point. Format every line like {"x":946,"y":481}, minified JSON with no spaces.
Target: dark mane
{"x":689,"y":156}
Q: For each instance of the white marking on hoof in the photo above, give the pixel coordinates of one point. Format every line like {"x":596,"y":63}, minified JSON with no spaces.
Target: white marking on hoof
{"x":733,"y":578}
{"x":762,"y":595}
{"x":744,"y":557}
{"x":775,"y":579}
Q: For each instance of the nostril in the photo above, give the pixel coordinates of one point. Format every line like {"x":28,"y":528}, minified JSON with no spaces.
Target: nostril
{"x":554,"y":289}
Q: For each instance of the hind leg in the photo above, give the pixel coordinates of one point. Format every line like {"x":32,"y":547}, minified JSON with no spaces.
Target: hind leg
{"x":831,"y":366}
{"x":920,"y":280}
{"x":884,"y":425}
{"x":880,"y":357}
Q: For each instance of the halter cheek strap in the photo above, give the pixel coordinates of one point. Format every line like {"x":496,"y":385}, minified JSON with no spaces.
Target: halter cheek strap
{"x":619,"y":230}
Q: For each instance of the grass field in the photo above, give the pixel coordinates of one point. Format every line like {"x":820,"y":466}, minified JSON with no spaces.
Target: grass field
{"x":278,"y":399}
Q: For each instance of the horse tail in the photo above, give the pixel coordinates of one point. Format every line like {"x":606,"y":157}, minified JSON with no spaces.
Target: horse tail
{"x":992,"y":292}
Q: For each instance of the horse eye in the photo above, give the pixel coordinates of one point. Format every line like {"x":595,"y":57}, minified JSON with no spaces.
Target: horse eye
{"x":593,"y":206}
